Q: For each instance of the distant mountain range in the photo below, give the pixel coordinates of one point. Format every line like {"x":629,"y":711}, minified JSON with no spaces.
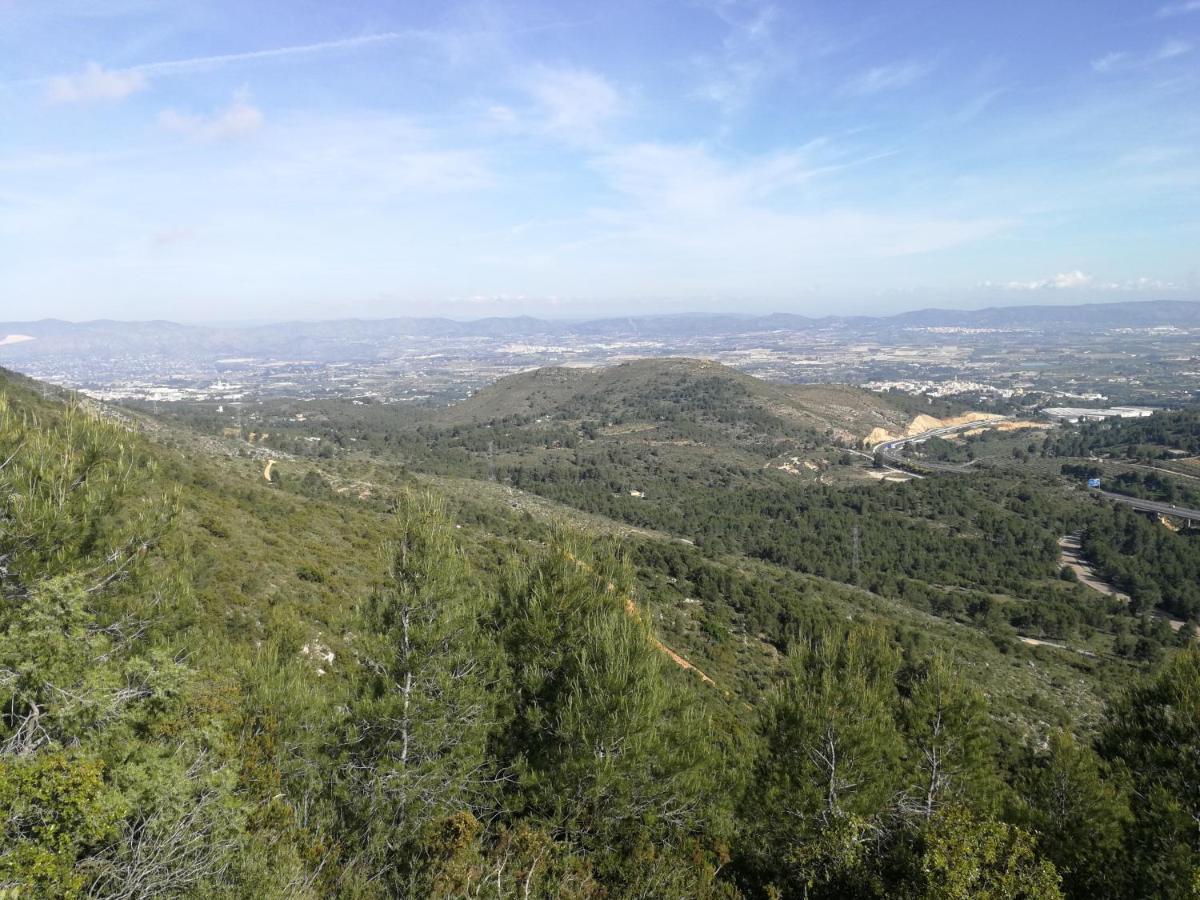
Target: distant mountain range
{"x":371,"y":338}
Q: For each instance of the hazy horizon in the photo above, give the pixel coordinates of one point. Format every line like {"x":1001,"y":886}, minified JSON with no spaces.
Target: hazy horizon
{"x":552,"y":317}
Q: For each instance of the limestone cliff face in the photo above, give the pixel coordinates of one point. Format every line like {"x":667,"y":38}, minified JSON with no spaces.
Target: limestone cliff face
{"x":921,"y":424}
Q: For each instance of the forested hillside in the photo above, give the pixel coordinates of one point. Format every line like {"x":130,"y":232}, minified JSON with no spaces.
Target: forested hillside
{"x":220,"y":684}
{"x":1163,"y":435}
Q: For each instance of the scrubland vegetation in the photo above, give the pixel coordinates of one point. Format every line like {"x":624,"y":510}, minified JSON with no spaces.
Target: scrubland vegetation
{"x":214,"y":685}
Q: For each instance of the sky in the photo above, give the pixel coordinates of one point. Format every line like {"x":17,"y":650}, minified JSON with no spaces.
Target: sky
{"x":204,"y":161}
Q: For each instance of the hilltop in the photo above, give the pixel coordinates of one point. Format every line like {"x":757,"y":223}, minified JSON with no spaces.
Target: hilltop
{"x":653,"y":391}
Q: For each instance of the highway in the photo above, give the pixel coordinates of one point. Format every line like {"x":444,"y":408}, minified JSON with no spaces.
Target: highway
{"x":1164,"y":509}
{"x":890,"y":449}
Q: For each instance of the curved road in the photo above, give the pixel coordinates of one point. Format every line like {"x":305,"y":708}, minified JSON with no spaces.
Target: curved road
{"x":890,"y":449}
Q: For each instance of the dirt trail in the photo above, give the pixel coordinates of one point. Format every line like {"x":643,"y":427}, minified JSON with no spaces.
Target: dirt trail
{"x":1035,"y":642}
{"x":1071,"y":555}
{"x":267,"y":470}
{"x":632,"y":609}
{"x":1165,"y":471}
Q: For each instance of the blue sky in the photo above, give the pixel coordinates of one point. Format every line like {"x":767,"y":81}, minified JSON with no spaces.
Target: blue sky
{"x":308,"y":159}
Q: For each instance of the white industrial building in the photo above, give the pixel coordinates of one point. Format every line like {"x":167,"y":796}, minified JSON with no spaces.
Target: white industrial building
{"x":1081,"y":414}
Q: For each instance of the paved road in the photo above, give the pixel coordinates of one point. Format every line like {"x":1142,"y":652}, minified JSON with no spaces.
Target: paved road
{"x":1165,"y":509}
{"x":890,"y":449}
{"x":904,"y":472}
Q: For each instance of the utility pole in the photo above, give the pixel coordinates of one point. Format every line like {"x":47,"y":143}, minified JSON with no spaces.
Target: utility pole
{"x":491,"y":461}
{"x":856,"y":554}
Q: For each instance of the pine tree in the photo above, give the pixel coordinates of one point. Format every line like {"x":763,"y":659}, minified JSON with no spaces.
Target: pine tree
{"x":829,"y":765}
{"x":947,"y":729}
{"x":1079,"y":816}
{"x":1154,"y":735}
{"x":609,"y":749}
{"x":421,"y":726}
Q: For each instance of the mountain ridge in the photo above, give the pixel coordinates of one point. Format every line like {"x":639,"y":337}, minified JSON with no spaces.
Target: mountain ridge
{"x":1146,"y":313}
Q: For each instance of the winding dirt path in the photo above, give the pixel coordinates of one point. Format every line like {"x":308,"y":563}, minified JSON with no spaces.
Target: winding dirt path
{"x":632,"y":609}
{"x":1071,"y":556}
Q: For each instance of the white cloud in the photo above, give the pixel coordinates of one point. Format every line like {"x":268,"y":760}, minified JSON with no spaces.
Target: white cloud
{"x":502,"y":116}
{"x":749,"y":56}
{"x":94,"y":82}
{"x":1171,"y":49}
{"x":722,"y":220}
{"x":1077,"y":280}
{"x":359,"y":159}
{"x":238,"y":119}
{"x":1150,"y":284}
{"x":688,"y":178}
{"x":1061,"y":281}
{"x":1179,"y":9}
{"x":1122,"y":61}
{"x":574,"y":102}
{"x":1110,"y":61}
{"x":888,"y":78}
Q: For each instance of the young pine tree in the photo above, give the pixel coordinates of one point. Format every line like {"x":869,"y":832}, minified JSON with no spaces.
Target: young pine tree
{"x":610,"y":752}
{"x":1154,"y":735}
{"x":1080,"y":814}
{"x":829,"y":766}
{"x":948,"y":733}
{"x":421,"y":723}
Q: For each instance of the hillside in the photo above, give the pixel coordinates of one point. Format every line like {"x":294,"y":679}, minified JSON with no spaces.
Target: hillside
{"x":333,"y":683}
{"x":652,"y":390}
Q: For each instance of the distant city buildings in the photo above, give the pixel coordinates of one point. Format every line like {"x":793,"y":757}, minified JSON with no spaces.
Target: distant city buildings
{"x":943,"y":388}
{"x":1080,"y":414}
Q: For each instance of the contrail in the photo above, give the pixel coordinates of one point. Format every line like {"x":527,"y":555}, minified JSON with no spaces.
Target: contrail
{"x":206,"y":62}
{"x":200,"y":63}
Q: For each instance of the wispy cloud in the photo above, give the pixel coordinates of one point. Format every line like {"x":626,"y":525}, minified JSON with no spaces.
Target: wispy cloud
{"x":94,"y":83}
{"x":1121,"y":60}
{"x":689,"y":178}
{"x":1110,"y":61}
{"x":748,"y":57}
{"x":722,"y":218}
{"x":1178,"y":9}
{"x":978,"y":105}
{"x":359,"y":159}
{"x":238,"y":119}
{"x":574,"y":103}
{"x":1171,"y":49}
{"x":888,"y":78}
